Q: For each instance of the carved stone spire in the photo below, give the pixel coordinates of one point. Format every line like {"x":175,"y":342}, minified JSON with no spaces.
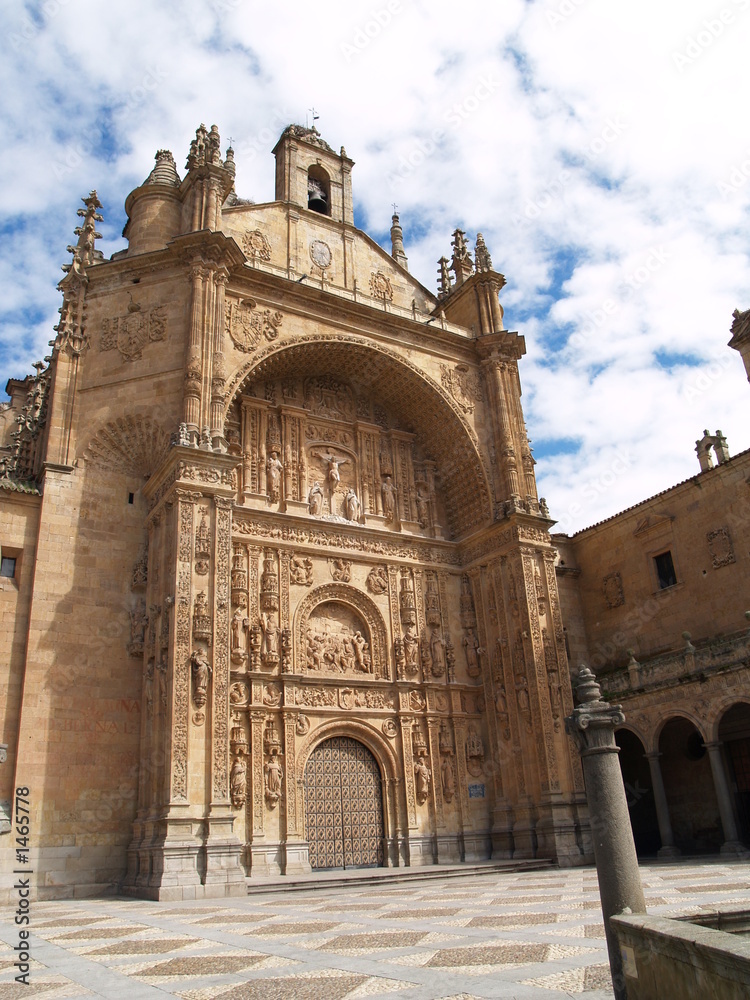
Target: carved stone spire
{"x":444,"y":279}
{"x":482,"y":254}
{"x":397,"y":243}
{"x":84,"y":252}
{"x":461,"y":263}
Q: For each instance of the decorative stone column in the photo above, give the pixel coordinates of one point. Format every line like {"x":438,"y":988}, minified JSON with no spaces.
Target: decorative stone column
{"x":592,"y":726}
{"x":667,"y":849}
{"x":731,"y":843}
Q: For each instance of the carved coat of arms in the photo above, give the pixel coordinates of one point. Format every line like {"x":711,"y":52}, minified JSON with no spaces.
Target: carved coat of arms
{"x":246,"y":324}
{"x":463,"y":385}
{"x":130,"y":333}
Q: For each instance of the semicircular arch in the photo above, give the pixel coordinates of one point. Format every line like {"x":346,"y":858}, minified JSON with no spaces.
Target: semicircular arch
{"x":375,"y":742}
{"x":417,"y":401}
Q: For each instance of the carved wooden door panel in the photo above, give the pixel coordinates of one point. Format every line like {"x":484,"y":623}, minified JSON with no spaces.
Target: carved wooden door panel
{"x":343,"y":805}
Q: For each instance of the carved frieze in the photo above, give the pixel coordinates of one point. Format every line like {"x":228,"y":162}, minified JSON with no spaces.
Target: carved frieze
{"x":130,"y":332}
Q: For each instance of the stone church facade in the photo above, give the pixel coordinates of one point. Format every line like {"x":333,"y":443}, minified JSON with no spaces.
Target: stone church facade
{"x":280,"y":593}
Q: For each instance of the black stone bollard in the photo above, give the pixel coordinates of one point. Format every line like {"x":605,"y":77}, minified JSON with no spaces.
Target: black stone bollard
{"x":592,"y":725}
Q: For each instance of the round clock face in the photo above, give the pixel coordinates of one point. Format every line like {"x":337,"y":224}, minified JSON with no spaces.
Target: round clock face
{"x":320,"y":254}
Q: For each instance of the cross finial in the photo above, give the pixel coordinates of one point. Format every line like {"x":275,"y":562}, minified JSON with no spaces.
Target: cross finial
{"x":231,"y":142}
{"x":314,"y":114}
{"x":395,"y":208}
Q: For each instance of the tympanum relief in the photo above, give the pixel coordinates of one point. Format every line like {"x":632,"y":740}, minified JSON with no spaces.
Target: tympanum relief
{"x":335,"y":641}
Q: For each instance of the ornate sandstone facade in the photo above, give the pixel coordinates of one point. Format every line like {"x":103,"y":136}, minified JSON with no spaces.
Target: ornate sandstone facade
{"x":294,"y":598}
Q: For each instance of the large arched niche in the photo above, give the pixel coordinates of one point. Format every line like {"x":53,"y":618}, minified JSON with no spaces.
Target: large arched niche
{"x":359,"y":609}
{"x":416,"y":402}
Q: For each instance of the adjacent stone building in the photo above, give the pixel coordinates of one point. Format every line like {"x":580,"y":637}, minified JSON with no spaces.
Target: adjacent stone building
{"x":656,"y":599}
{"x":278,"y":590}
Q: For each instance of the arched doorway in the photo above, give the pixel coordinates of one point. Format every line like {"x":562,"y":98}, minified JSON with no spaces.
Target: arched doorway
{"x":734,"y":733}
{"x":689,"y":786}
{"x":636,"y":776}
{"x":344,"y":805}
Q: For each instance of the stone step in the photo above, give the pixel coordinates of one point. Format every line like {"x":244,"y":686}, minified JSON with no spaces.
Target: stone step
{"x":376,"y":876}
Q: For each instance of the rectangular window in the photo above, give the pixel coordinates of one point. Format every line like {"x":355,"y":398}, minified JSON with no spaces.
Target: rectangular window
{"x":8,"y":567}
{"x":665,"y":573}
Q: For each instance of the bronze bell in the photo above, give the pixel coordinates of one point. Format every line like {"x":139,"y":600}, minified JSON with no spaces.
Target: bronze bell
{"x":317,"y":197}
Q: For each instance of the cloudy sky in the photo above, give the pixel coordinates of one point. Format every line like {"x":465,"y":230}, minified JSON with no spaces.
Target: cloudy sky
{"x":601,"y":146}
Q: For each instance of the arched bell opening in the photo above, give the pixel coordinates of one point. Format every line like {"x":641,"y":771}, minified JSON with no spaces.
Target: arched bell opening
{"x":318,"y":190}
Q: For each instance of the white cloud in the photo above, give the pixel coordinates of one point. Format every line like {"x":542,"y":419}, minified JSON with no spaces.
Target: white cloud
{"x":590,"y":156}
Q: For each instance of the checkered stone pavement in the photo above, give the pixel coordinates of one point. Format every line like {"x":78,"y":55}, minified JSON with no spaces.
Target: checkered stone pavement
{"x":491,"y":935}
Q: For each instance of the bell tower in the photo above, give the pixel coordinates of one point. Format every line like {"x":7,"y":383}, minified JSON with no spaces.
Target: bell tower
{"x":310,"y":175}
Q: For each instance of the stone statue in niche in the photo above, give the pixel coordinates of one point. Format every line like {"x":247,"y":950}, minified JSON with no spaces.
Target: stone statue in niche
{"x":472,"y":650}
{"x":388,"y":491}
{"x":448,"y":778}
{"x":422,"y":778}
{"x":274,"y":468}
{"x":411,"y":651}
{"x":149,"y":687}
{"x":474,"y":752}
{"x":138,"y":626}
{"x":271,"y":634}
{"x":274,"y":774}
{"x":239,"y":623}
{"x":201,"y":670}
{"x":351,"y":505}
{"x":423,"y":505}
{"x":238,"y":781}
{"x":437,"y":651}
{"x":315,"y":499}
{"x":161,"y":666}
